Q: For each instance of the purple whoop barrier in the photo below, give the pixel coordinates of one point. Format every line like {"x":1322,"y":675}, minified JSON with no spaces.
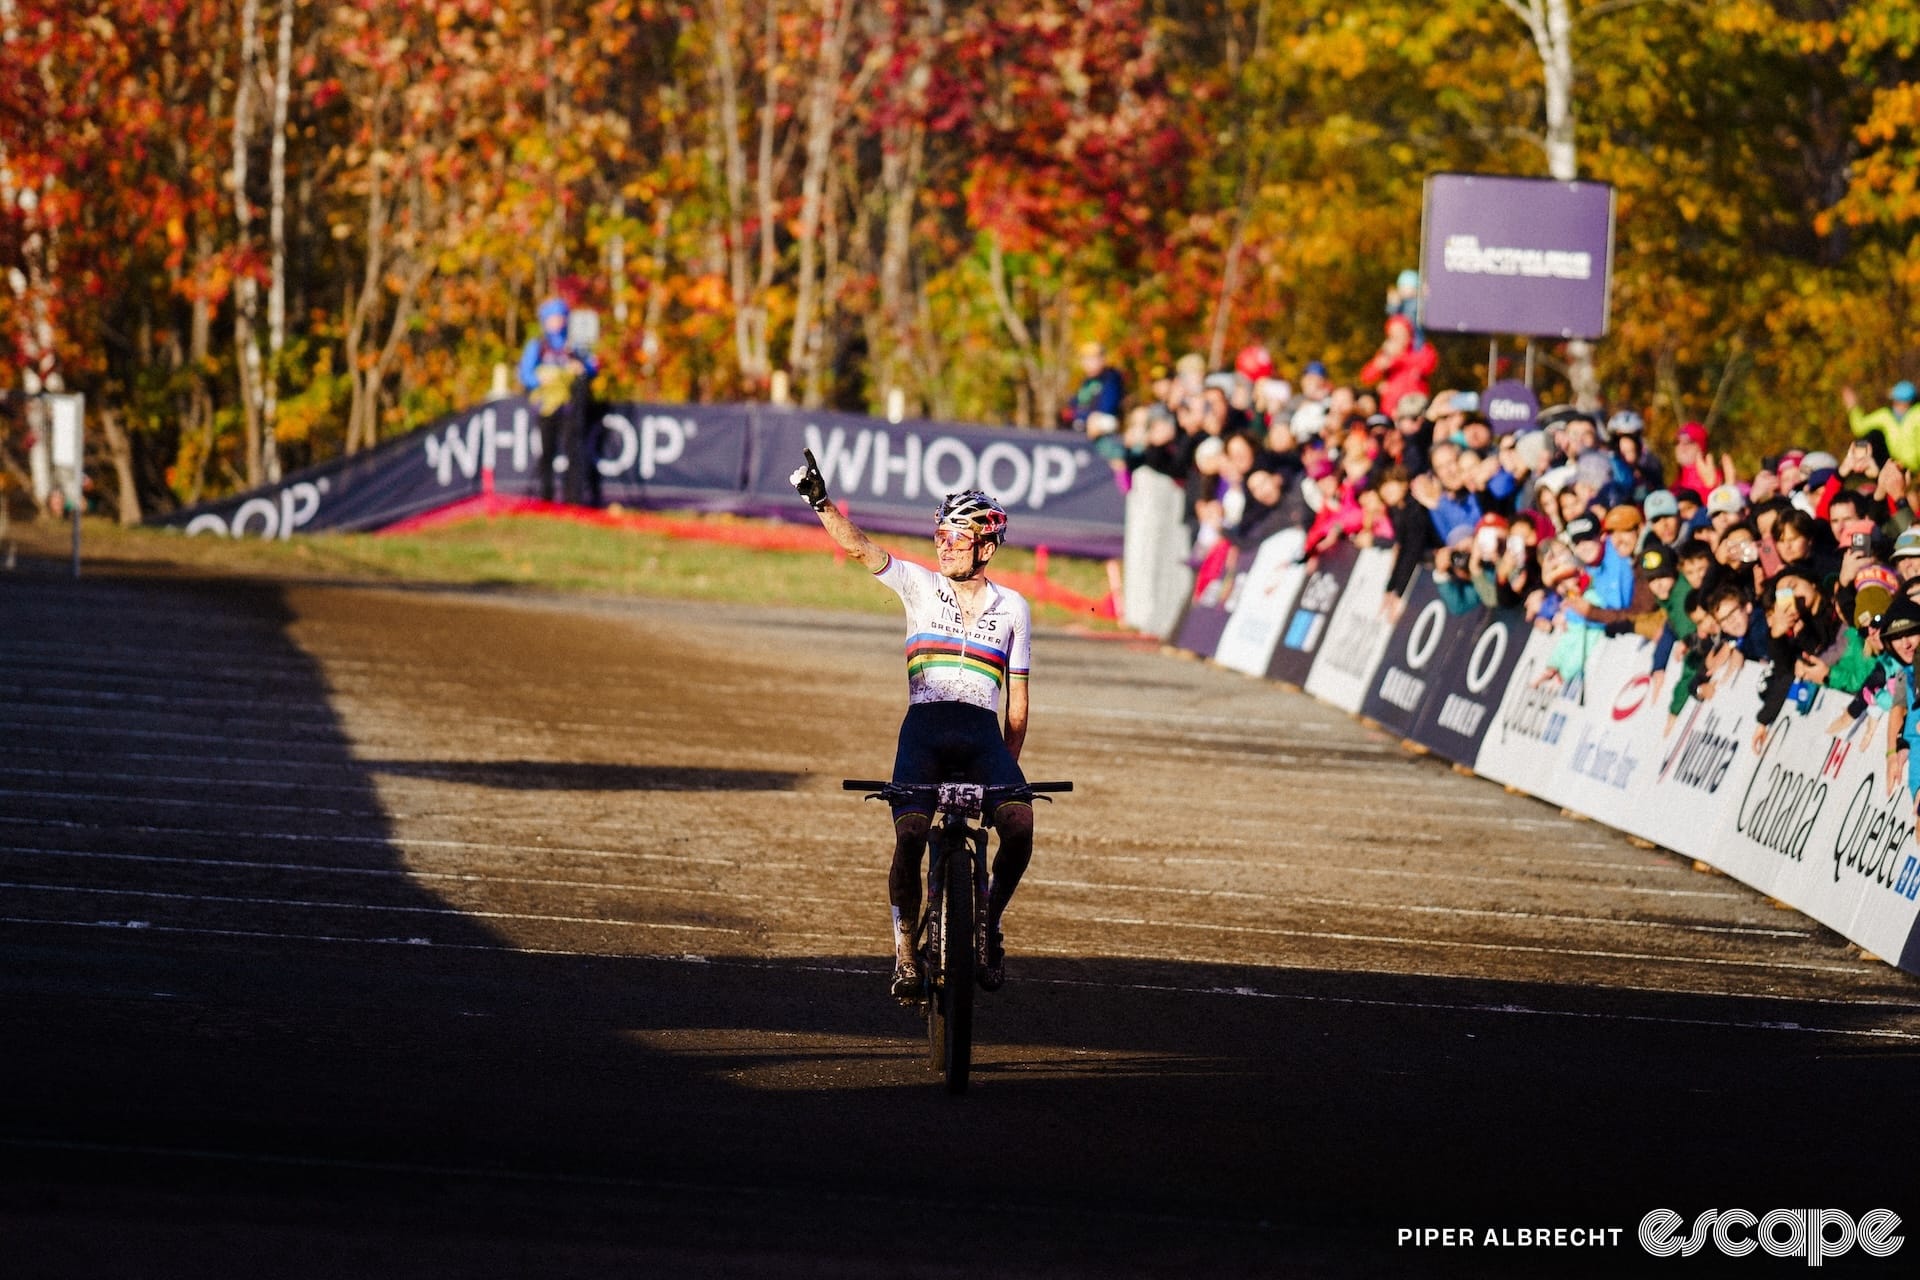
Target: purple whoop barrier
{"x":737,"y":458}
{"x":891,"y":476}
{"x":1467,"y":681}
{"x":1424,"y":640}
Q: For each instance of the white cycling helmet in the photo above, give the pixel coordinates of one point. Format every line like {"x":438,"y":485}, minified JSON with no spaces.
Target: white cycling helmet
{"x":1625,"y":423}
{"x":973,"y":512}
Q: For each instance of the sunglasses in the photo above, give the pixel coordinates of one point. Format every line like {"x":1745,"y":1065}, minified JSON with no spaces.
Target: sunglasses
{"x":952,"y":539}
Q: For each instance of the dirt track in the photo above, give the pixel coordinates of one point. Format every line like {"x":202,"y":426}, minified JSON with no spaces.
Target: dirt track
{"x":345,"y":926}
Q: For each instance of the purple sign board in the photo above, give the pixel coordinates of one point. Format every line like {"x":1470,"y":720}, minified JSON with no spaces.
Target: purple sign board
{"x":1528,"y":256}
{"x":1510,"y":407}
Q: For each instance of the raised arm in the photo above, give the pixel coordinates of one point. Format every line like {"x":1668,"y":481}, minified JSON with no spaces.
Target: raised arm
{"x":813,"y":487}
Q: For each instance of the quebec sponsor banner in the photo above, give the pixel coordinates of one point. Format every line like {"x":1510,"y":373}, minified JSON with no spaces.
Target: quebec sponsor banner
{"x":1524,"y":744}
{"x":1467,"y":683}
{"x":1306,"y":626}
{"x":1422,"y":641}
{"x":1057,"y":491}
{"x":1357,"y":635}
{"x":1262,"y":597}
{"x":1813,"y":824}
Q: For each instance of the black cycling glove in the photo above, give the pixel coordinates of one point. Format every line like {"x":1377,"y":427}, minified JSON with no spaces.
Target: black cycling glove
{"x":811,"y":484}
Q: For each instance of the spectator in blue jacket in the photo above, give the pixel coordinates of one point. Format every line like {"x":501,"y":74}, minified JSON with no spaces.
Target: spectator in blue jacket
{"x":1101,"y":391}
{"x":557,"y":378}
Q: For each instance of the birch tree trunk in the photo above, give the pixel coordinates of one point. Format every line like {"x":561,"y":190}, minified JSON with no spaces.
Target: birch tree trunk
{"x":1550,"y":23}
{"x":277,"y":247}
{"x":747,"y":291}
{"x":246,"y":290}
{"x":363,"y":308}
{"x":903,"y":158}
{"x":823,"y":94}
{"x":120,"y":449}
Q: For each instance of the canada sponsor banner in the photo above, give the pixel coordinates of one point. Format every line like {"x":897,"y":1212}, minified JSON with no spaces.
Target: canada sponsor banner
{"x":1306,"y":626}
{"x":1262,"y":598}
{"x":891,"y":476}
{"x":1421,"y":643}
{"x":1812,"y":821}
{"x":646,"y":455}
{"x":1357,"y":635}
{"x":1467,"y":682}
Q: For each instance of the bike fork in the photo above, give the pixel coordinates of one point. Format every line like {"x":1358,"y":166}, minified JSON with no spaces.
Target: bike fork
{"x":977,"y":850}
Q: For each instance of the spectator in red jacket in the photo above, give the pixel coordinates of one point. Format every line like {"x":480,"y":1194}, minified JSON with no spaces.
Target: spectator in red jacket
{"x":1402,"y":365}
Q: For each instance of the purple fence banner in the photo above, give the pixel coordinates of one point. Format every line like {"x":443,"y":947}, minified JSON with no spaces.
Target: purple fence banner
{"x":1057,"y":492}
{"x":706,"y":457}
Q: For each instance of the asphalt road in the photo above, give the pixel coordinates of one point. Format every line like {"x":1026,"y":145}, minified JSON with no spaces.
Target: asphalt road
{"x":361,"y":931}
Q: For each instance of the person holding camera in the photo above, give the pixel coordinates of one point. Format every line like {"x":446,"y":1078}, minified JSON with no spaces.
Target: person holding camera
{"x":557,"y":377}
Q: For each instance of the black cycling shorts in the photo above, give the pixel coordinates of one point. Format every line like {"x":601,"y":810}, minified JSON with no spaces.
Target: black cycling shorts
{"x":939,"y":740}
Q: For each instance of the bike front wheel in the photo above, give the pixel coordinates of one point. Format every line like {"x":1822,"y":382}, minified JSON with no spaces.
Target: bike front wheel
{"x":956,"y":967}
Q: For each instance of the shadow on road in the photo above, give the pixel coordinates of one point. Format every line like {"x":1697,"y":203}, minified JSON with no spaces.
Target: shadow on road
{"x":200,"y":1061}
{"x":562,"y":775}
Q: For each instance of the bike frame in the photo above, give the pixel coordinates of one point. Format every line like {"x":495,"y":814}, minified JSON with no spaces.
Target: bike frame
{"x":951,"y":930}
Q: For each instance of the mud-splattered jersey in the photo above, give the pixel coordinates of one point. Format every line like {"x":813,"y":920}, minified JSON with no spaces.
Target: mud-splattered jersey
{"x":946,"y":663}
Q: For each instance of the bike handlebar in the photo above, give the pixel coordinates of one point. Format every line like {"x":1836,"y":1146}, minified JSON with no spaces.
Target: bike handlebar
{"x":933,"y":788}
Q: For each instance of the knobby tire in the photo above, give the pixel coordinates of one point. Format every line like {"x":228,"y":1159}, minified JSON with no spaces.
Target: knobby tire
{"x":957,"y":962}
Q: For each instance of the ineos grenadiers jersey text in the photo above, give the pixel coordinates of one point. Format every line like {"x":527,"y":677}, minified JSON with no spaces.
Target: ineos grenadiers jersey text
{"x":949,"y":663}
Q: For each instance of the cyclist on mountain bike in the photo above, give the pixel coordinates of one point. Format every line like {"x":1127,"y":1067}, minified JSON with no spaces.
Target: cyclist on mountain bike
{"x":967,"y":639}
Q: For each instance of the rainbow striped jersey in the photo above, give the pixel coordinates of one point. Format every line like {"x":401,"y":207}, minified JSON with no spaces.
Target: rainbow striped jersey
{"x":947,"y":662}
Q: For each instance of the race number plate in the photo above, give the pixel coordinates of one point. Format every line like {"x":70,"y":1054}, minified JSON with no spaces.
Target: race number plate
{"x":961,"y":797}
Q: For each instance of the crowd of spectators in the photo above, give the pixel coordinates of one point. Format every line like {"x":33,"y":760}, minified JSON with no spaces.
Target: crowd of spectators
{"x":1808,"y":565}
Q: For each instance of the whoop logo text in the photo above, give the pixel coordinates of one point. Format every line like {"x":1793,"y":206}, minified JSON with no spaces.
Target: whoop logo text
{"x":1815,"y":1234}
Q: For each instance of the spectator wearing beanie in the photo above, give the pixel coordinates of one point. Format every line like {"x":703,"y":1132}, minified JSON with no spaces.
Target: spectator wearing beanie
{"x":1900,"y":632}
{"x":1618,"y":578}
{"x":1696,"y":468}
{"x":1662,"y":513}
{"x":1627,"y":432}
{"x":1906,"y":555}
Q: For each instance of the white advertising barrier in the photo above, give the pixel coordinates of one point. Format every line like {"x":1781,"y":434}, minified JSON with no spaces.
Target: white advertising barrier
{"x":1263,"y":597}
{"x":1613,"y":734}
{"x":1528,"y":737}
{"x":1807,"y":820}
{"x":1685,"y":804}
{"x":1155,"y":577}
{"x":1813,"y":824}
{"x":1357,"y":635}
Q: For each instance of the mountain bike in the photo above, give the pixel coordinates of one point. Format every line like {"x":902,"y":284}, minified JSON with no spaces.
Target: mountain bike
{"x":952,"y":930}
